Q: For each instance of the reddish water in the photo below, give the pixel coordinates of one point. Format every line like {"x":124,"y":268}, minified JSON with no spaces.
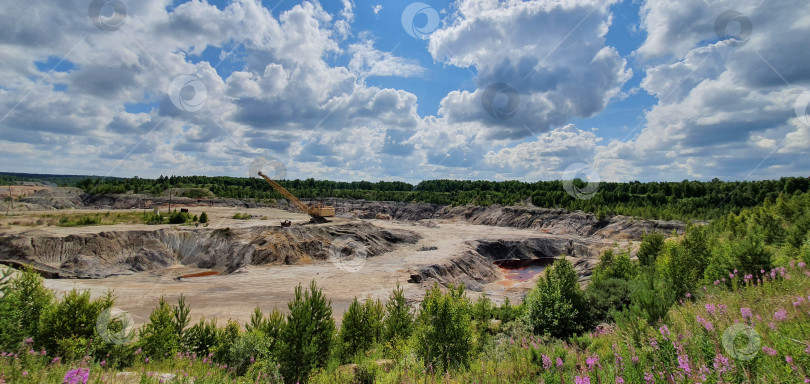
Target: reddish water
{"x":522,"y":270}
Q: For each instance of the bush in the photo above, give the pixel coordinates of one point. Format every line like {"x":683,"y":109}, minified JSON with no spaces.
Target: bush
{"x":246,"y":349}
{"x":307,"y":336}
{"x":66,"y":327}
{"x":444,"y":329}
{"x":179,"y":217}
{"x":25,"y":300}
{"x":203,"y":218}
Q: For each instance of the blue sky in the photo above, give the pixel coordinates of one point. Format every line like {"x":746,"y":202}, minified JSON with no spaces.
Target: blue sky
{"x":340,"y":89}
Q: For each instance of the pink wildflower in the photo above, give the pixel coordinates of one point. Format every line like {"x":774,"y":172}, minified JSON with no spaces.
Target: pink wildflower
{"x":746,"y":313}
{"x":769,"y":351}
{"x":582,"y":380}
{"x":780,"y":315}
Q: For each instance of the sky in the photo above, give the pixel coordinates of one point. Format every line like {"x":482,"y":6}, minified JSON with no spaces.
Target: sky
{"x":620,"y":90}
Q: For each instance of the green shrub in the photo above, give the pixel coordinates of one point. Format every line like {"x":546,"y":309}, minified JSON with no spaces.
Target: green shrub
{"x":444,"y":329}
{"x":25,"y":300}
{"x":366,"y":372}
{"x":605,"y":296}
{"x":203,"y":218}
{"x":65,"y":328}
{"x":179,"y":217}
{"x":246,"y":349}
{"x":307,"y":336}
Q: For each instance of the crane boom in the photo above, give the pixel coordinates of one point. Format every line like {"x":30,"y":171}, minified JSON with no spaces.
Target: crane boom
{"x":284,"y":192}
{"x":318,"y":213}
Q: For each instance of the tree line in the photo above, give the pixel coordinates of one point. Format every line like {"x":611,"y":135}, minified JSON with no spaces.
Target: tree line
{"x":663,"y":200}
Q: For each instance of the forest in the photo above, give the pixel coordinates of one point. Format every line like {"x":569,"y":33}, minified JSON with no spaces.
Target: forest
{"x":685,"y":200}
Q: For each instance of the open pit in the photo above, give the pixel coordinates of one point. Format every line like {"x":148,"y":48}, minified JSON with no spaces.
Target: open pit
{"x":227,"y":268}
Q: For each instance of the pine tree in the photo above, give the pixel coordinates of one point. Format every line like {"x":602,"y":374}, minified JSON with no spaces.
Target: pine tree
{"x":398,"y":321}
{"x":307,"y":336}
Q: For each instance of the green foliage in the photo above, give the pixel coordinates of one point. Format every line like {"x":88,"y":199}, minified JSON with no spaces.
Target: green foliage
{"x":203,"y":218}
{"x":202,"y":337}
{"x":398,"y":322}
{"x":23,"y":303}
{"x":444,"y":329}
{"x":483,"y":309}
{"x":162,"y":336}
{"x":247,"y":348}
{"x":80,"y":221}
{"x":606,"y":296}
{"x":179,"y":217}
{"x":67,"y":327}
{"x":360,"y":328}
{"x":650,"y":297}
{"x":651,"y":246}
{"x":556,"y":306}
{"x":613,"y":267}
{"x":241,"y":216}
{"x":507,"y":313}
{"x":307,"y":337}
{"x":270,"y":325}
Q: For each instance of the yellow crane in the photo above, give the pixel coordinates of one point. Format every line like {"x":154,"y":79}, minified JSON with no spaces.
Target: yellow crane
{"x":318,"y":213}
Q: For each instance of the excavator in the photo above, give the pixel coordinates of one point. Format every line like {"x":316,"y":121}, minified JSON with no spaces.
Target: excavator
{"x":317,"y":213}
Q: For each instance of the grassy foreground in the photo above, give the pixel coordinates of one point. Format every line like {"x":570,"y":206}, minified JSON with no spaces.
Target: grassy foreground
{"x":756,"y":332}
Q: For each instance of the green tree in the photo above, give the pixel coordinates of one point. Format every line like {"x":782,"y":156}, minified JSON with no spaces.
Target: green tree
{"x":651,"y":246}
{"x":307,"y":336}
{"x":25,"y":300}
{"x":360,"y":328}
{"x":159,"y":337}
{"x":203,"y":218}
{"x":398,"y":321}
{"x":556,"y":305}
{"x":444,"y":329}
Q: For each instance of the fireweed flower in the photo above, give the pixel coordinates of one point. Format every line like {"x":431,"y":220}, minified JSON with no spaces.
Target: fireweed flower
{"x":746,"y":313}
{"x":769,"y":351}
{"x":591,"y":361}
{"x":582,"y":380}
{"x":546,"y":361}
{"x":721,"y":363}
{"x":559,"y":363}
{"x":780,"y":315}
{"x":710,"y":309}
{"x":648,"y":377}
{"x":76,"y":376}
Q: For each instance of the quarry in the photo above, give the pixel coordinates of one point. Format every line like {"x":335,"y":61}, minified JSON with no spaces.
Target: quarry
{"x":228,"y":266}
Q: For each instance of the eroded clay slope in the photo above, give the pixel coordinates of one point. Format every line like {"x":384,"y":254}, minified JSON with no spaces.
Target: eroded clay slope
{"x":97,"y":255}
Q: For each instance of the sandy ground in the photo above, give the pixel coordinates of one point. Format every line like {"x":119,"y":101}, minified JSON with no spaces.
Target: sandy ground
{"x":235,"y":296}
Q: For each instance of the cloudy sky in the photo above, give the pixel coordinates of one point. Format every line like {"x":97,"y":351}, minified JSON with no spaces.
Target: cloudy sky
{"x":399,"y":90}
